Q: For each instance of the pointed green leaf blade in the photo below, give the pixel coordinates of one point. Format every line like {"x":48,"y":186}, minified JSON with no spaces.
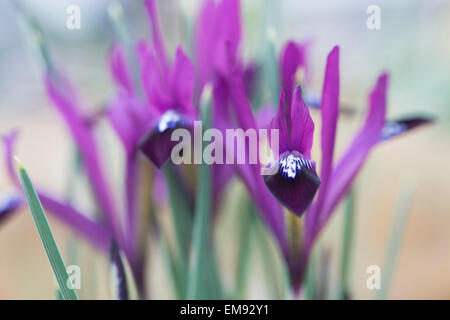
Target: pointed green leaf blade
{"x":401,"y":215}
{"x":45,"y":233}
{"x":347,"y":246}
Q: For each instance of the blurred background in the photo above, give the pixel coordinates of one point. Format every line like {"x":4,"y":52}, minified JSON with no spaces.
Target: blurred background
{"x":413,"y":45}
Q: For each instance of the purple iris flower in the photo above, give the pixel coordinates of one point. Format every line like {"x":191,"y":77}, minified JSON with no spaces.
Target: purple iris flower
{"x":336,"y":179}
{"x":295,"y":182}
{"x":169,"y":91}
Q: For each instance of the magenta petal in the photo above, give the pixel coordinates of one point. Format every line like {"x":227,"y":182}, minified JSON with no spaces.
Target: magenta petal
{"x":217,"y":30}
{"x":155,"y":87}
{"x":354,"y":158}
{"x":279,"y":123}
{"x":329,"y":111}
{"x":230,"y":21}
{"x":64,"y":98}
{"x":204,"y":41}
{"x":264,"y":116}
{"x":226,"y":35}
{"x":250,"y":174}
{"x":302,"y":126}
{"x":221,"y":176}
{"x":91,"y":230}
{"x":130,"y":119}
{"x":9,"y":141}
{"x":118,"y":114}
{"x":292,"y":57}
{"x":295,"y":182}
{"x":119,"y":68}
{"x":157,"y":144}
{"x":9,"y":203}
{"x":395,"y":128}
{"x":251,"y":75}
{"x":158,"y":41}
{"x":183,"y":83}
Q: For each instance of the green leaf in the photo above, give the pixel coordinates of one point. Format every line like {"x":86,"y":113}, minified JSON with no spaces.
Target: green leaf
{"x":311,"y":279}
{"x":34,"y":35}
{"x":323,"y":279}
{"x":45,"y":233}
{"x":204,"y":280}
{"x":181,"y":210}
{"x":270,"y":57}
{"x":179,"y":275}
{"x":401,"y":217}
{"x":182,"y":221}
{"x":347,"y":239}
{"x":246,"y":220}
{"x":276,"y":283}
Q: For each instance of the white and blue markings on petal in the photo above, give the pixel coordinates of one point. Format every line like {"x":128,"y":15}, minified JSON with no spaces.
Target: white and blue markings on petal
{"x":392,"y":129}
{"x":168,"y":120}
{"x":292,"y":165}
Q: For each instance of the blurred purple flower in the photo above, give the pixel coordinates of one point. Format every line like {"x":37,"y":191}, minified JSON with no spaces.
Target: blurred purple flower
{"x":217,"y":38}
{"x":172,"y":97}
{"x":169,"y":90}
{"x":295,"y":182}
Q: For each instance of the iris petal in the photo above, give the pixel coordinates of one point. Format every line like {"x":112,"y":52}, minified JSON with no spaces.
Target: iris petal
{"x":329,"y":112}
{"x":301,"y":125}
{"x":394,"y":128}
{"x":352,"y":161}
{"x":9,"y":203}
{"x":119,"y":68}
{"x":182,"y":83}
{"x":157,"y":144}
{"x":218,"y":26}
{"x":295,"y":182}
{"x":293,"y":57}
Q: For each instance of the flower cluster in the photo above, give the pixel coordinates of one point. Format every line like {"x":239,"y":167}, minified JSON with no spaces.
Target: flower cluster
{"x":159,"y":95}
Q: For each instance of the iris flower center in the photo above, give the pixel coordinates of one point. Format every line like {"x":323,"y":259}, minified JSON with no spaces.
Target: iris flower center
{"x":292,"y":165}
{"x":168,"y":120}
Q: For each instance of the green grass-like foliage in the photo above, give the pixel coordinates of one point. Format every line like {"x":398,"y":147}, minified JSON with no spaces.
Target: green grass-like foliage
{"x":45,"y":233}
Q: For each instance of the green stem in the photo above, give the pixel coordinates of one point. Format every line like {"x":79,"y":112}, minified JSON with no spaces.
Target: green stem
{"x":204,"y":282}
{"x":181,"y":218}
{"x":347,"y":238}
{"x":247,"y":220}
